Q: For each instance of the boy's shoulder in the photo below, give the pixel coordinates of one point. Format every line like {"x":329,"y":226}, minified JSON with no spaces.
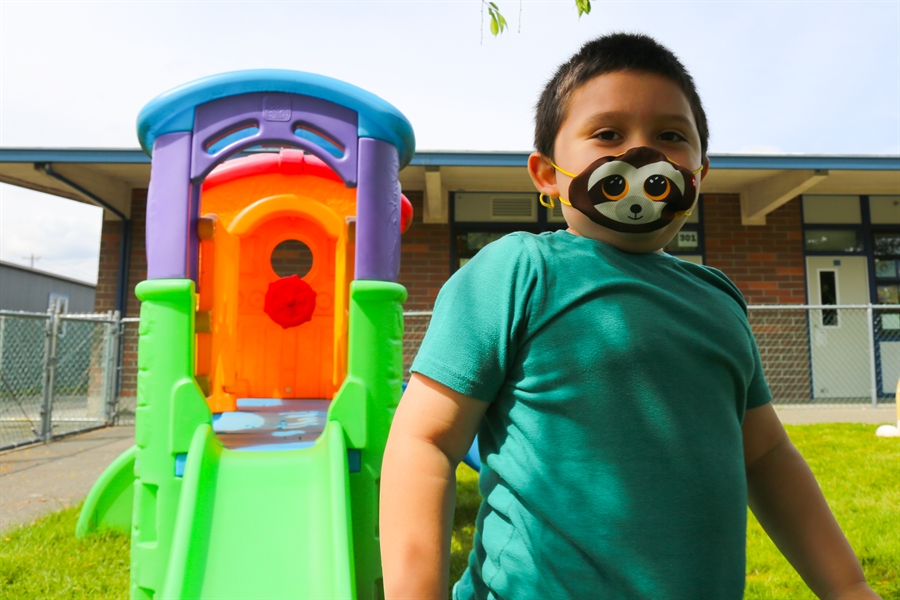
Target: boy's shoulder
{"x":715,"y":278}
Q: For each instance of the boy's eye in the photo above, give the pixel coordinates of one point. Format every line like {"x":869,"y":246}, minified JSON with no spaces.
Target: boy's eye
{"x":671,"y":136}
{"x":608,"y":135}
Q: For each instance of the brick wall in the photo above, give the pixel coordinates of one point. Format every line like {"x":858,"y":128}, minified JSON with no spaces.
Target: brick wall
{"x":424,"y":258}
{"x":764,"y":261}
{"x":105,"y":300}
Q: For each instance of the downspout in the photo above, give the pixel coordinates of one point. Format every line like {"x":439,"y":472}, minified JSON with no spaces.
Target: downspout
{"x":124,"y":250}
{"x":125,"y":242}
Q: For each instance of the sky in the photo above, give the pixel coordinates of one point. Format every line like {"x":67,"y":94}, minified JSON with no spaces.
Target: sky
{"x":780,"y":77}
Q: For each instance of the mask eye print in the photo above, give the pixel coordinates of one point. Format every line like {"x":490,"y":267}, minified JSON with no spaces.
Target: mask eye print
{"x":614,"y":187}
{"x":657,"y":187}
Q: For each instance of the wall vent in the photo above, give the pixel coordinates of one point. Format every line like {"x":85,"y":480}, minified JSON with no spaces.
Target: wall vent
{"x":485,"y":207}
{"x":512,"y":208}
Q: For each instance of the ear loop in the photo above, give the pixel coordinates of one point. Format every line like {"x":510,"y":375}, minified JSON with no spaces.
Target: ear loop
{"x":689,"y":211}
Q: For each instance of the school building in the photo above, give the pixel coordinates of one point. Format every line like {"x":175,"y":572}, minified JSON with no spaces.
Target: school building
{"x":787,"y":229}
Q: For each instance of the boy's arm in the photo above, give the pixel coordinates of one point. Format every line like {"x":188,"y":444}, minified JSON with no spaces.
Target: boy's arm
{"x":431,"y":433}
{"x":788,"y":503}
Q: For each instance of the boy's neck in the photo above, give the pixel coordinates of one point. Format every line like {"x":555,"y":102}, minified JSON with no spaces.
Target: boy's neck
{"x":574,"y":231}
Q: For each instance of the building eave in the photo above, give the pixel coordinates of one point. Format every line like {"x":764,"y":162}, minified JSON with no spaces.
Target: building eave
{"x":481,"y":158}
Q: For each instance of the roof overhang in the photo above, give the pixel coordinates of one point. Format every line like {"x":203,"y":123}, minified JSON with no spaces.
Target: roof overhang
{"x":764,"y":182}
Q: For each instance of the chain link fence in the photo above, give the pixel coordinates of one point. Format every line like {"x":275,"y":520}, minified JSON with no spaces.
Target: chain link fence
{"x":815,"y":355}
{"x":57,"y":374}
{"x":127,"y":393}
{"x":414,"y":326}
{"x":61,"y":374}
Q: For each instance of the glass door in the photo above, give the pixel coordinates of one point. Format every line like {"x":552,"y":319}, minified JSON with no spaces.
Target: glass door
{"x":886,"y":255}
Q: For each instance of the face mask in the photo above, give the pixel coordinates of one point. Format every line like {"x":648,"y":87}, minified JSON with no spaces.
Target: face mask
{"x":635,"y":192}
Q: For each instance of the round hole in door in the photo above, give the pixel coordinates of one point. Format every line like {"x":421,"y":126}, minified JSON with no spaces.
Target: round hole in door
{"x":291,"y":257}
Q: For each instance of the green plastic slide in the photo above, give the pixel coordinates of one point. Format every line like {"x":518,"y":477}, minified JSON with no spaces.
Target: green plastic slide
{"x":263,"y":524}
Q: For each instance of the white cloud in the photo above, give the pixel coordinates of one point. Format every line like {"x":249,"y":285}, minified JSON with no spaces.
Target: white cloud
{"x":63,"y":236}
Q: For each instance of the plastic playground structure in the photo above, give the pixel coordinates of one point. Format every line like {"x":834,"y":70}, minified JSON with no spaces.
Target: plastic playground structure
{"x":263,"y":402}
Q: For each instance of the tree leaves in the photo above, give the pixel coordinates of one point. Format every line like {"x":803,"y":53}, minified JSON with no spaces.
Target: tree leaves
{"x":498,"y":22}
{"x":583,"y":6}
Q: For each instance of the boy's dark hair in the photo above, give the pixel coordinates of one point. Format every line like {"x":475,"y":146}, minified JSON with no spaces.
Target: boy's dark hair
{"x":606,"y":54}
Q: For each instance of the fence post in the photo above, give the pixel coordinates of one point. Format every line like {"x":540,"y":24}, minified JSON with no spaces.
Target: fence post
{"x":2,"y":339}
{"x":49,"y":376}
{"x":870,"y":317}
{"x":111,"y":362}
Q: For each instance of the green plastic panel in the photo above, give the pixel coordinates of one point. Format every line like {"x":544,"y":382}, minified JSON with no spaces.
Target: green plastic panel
{"x":170,"y":407}
{"x":110,"y":503}
{"x":365,"y":407}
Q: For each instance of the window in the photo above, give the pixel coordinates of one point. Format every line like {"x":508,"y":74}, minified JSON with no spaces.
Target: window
{"x":480,"y":218}
{"x":468,"y":244}
{"x":820,"y":209}
{"x":833,"y":240}
{"x":887,"y":266}
{"x":828,"y":297}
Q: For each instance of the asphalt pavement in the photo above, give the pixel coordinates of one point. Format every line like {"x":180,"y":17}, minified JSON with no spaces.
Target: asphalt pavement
{"x":44,"y":478}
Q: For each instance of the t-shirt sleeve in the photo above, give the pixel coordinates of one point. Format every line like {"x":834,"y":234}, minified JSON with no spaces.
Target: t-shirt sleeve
{"x":479,"y":319}
{"x":758,"y":392}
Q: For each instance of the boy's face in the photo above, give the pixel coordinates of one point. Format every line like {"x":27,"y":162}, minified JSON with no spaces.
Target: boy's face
{"x":610,"y":115}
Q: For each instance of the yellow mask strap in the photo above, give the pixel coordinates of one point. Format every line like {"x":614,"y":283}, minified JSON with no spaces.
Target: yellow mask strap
{"x":564,"y":172}
{"x":561,"y":170}
{"x":546,"y":200}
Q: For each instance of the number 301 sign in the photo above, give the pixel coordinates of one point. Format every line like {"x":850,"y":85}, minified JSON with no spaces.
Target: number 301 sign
{"x":687,"y":239}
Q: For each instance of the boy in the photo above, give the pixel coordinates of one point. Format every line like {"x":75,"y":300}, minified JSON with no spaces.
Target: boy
{"x":624,"y":419}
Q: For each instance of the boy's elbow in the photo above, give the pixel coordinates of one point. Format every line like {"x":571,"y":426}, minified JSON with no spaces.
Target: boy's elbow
{"x":434,"y":418}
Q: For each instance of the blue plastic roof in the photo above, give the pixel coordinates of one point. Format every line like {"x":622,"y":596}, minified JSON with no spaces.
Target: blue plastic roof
{"x":173,"y":111}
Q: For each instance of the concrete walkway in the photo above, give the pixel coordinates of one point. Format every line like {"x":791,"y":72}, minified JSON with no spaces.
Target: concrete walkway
{"x":40,"y":479}
{"x":44,"y":478}
{"x":885,"y":414}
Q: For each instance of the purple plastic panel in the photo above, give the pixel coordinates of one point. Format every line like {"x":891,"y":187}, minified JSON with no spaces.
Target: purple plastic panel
{"x":168,"y":207}
{"x":277,"y":116}
{"x":378,"y":212}
{"x":193,"y":248}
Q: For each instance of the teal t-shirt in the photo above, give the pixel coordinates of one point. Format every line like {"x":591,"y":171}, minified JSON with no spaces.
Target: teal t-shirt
{"x":612,"y":451}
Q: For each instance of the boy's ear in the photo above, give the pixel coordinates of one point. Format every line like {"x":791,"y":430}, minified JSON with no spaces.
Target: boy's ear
{"x":705,"y":170}
{"x":543,"y":174}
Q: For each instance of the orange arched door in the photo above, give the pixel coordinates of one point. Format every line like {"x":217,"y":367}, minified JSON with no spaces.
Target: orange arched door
{"x":271,"y":361}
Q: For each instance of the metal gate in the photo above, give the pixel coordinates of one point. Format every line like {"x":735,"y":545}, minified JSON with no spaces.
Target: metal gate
{"x":57,"y":374}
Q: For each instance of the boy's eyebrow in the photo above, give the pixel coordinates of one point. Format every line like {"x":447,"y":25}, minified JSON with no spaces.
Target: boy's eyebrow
{"x":599,"y":118}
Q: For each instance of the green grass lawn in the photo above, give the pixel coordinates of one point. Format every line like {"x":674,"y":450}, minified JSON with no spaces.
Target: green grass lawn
{"x":857,"y":471}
